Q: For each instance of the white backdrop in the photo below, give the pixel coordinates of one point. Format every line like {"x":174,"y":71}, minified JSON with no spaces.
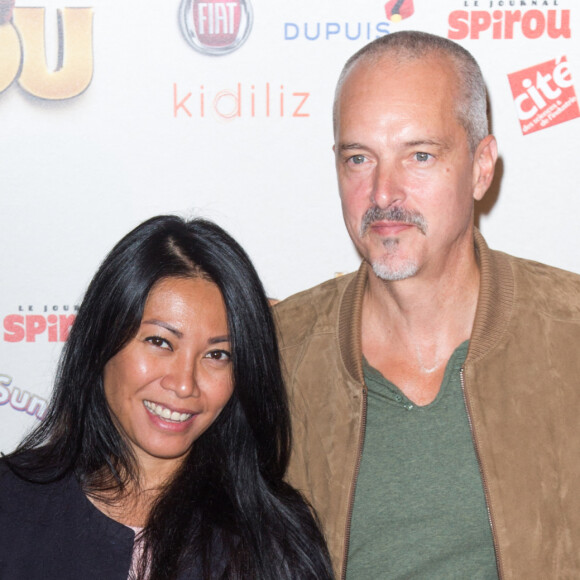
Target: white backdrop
{"x":118,"y":118}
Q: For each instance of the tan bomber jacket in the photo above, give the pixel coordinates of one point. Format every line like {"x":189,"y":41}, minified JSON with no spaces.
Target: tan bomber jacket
{"x":522,"y":387}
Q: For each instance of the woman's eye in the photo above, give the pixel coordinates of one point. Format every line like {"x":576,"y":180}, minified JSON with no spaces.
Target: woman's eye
{"x":158,"y":342}
{"x":218,"y":355}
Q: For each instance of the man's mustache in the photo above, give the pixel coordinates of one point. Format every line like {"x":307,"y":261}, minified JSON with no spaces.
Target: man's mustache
{"x":393,"y":214}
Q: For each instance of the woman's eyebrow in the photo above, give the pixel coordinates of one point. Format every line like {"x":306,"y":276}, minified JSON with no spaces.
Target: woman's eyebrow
{"x":165,"y":325}
{"x":217,"y":339}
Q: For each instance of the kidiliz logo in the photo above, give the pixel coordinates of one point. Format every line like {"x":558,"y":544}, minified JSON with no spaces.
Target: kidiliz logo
{"x":214,"y":27}
{"x":265,"y":101}
{"x":544,"y":95}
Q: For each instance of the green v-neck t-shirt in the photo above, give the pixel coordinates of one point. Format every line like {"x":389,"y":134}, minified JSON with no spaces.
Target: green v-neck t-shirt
{"x":419,"y":511}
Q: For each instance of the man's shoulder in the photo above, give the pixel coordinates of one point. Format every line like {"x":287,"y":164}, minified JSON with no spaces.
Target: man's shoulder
{"x":545,"y":271}
{"x":539,"y":284}
{"x":325,"y":292}
{"x":311,"y":311}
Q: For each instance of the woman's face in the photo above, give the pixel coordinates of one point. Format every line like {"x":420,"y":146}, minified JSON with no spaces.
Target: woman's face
{"x":171,"y":381}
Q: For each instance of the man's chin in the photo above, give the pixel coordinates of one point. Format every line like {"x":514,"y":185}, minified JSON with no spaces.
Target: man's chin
{"x":393,"y":271}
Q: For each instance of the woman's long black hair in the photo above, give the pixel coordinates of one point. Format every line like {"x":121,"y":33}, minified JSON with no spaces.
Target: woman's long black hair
{"x":227,"y":511}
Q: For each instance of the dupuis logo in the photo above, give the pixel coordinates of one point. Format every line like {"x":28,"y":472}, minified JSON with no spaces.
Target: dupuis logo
{"x":397,"y":10}
{"x":214,"y":27}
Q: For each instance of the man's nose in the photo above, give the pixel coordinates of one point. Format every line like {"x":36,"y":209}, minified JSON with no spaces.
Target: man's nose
{"x":388,"y":188}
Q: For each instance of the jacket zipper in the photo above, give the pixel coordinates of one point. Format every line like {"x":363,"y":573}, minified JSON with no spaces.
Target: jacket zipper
{"x":483,"y":478}
{"x":362,"y":430}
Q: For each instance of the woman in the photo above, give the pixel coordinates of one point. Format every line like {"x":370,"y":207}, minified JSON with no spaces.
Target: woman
{"x":163,"y":450}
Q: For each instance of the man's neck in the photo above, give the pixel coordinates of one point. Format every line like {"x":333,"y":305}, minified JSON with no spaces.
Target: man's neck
{"x":411,"y":327}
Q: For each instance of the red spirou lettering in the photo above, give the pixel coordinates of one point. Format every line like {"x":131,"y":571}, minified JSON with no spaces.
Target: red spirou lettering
{"x":508,"y":24}
{"x":14,"y":328}
{"x":56,"y":328}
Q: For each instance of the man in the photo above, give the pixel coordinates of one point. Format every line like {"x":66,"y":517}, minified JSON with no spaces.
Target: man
{"x":435,"y":392}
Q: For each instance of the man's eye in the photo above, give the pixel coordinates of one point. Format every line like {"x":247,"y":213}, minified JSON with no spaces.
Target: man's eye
{"x":422,"y":157}
{"x":357,"y":159}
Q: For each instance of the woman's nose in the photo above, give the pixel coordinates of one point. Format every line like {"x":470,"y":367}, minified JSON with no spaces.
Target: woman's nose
{"x":181,"y":379}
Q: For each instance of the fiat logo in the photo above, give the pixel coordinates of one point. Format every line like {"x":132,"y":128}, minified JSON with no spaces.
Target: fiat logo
{"x":216,"y":28}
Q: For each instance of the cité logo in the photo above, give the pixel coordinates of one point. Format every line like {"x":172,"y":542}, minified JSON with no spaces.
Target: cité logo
{"x":22,"y":51}
{"x":544,"y":95}
{"x":216,"y":28}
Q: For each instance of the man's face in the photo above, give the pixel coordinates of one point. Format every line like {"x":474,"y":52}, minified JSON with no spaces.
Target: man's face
{"x":406,"y":175}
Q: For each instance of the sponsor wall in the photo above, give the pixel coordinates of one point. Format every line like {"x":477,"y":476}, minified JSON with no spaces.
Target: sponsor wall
{"x":113,"y":112}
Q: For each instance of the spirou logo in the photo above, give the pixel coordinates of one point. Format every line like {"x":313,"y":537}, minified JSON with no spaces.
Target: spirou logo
{"x":544,"y":95}
{"x":23,"y":55}
{"x":214,"y":27}
{"x":45,"y":323}
{"x":509,"y":24}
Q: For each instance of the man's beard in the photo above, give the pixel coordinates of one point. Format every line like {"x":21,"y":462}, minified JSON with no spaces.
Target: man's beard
{"x":386,"y":267}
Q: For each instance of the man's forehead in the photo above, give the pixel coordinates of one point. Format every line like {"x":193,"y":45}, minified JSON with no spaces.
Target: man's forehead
{"x":400,"y":102}
{"x":389,"y":78}
{"x":396,"y":66}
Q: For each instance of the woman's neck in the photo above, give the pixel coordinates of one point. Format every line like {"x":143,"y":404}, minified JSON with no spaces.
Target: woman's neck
{"x":130,"y":508}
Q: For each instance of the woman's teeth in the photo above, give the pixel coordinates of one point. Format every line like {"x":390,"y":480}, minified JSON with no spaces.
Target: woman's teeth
{"x":166,"y":413}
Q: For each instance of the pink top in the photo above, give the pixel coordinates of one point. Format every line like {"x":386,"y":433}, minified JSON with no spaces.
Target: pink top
{"x":137,"y":552}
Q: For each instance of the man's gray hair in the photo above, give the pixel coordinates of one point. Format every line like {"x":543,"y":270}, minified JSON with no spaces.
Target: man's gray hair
{"x":471,"y":108}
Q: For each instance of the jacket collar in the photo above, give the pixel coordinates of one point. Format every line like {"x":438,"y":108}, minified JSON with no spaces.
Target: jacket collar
{"x":494,"y":308}
{"x":495,"y":302}
{"x":350,"y":322}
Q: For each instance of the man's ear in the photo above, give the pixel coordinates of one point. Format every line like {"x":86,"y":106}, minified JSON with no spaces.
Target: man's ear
{"x":484,"y":166}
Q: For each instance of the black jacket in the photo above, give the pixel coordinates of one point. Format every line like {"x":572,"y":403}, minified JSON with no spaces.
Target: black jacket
{"x":53,"y":532}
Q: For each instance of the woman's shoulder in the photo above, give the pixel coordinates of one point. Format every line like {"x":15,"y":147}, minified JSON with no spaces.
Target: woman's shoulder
{"x":51,"y":530}
{"x":10,"y":482}
{"x":21,"y":495}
